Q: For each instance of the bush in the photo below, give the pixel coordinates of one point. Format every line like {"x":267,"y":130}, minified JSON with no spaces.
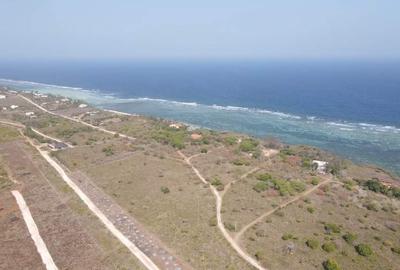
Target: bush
{"x":329,"y":247}
{"x":229,"y":226}
{"x":395,"y":250}
{"x":314,"y":181}
{"x":331,"y":228}
{"x":287,"y":236}
{"x":298,"y":186}
{"x":287,"y":152}
{"x":231,"y":140}
{"x":349,"y":238}
{"x":248,"y":145}
{"x":108,"y":151}
{"x":364,"y":250}
{"x":241,"y":162}
{"x":372,"y":206}
{"x":171,"y":136}
{"x":312,"y":243}
{"x":203,"y":150}
{"x":330,"y":264}
{"x":216,"y":182}
{"x":260,"y":186}
{"x":264,"y":177}
{"x":258,"y":255}
{"x":310,"y":210}
{"x":164,"y":190}
{"x":213,"y":222}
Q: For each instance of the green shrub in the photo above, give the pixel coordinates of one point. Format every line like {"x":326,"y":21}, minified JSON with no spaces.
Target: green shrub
{"x":287,"y":152}
{"x":306,"y":163}
{"x":310,"y":210}
{"x":330,"y":264}
{"x":364,"y":250}
{"x":287,"y":236}
{"x":298,"y":186}
{"x":108,"y":151}
{"x":329,"y":247}
{"x":264,"y":177}
{"x":258,"y":255}
{"x":395,"y":250}
{"x":164,"y":190}
{"x":332,"y":228}
{"x":216,"y":182}
{"x":372,"y":206}
{"x":260,"y":186}
{"x":230,"y":140}
{"x":170,"y":136}
{"x":314,"y":181}
{"x":248,"y":145}
{"x":312,"y":243}
{"x":241,"y":162}
{"x":213,"y":222}
{"x":349,"y":238}
{"x":229,"y":226}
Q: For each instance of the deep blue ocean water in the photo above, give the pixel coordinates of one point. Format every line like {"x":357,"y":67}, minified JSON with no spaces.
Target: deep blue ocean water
{"x":350,"y":108}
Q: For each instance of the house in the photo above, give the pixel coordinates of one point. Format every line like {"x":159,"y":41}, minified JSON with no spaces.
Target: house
{"x":54,"y":145}
{"x":29,"y":113}
{"x":14,"y":107}
{"x":82,"y":105}
{"x":176,"y":126}
{"x":2,"y":97}
{"x":320,"y":166}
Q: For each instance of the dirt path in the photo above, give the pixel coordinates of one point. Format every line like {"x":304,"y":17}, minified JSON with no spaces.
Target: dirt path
{"x":76,"y":120}
{"x":220,"y":223}
{"x":17,"y":249}
{"x":34,"y":231}
{"x":228,"y":186}
{"x":50,"y":138}
{"x":270,"y":212}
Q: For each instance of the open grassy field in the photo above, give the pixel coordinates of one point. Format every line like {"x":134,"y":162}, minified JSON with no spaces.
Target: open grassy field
{"x":338,"y":223}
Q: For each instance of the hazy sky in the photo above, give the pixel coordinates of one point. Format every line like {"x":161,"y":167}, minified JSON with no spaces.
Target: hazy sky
{"x":88,"y":29}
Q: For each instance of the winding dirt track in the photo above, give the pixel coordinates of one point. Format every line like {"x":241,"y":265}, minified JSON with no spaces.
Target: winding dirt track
{"x":221,"y":226}
{"x":294,"y":199}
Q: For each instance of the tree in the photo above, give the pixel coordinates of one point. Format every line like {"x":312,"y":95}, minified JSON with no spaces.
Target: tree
{"x":364,"y":250}
{"x":330,"y":264}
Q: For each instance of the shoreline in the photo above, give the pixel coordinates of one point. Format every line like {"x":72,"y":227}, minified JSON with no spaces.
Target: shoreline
{"x":343,"y":139}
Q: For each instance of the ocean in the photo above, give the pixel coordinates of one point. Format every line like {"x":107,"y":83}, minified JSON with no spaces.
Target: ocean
{"x":349,"y":108}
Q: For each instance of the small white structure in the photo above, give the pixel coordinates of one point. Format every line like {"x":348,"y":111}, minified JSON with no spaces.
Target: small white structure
{"x":2,"y":97}
{"x":321,"y":166}
{"x":13,"y":107}
{"x":4,"y":109}
{"x":82,"y":105}
{"x":177,"y":126}
{"x":29,"y":113}
{"x":65,"y":100}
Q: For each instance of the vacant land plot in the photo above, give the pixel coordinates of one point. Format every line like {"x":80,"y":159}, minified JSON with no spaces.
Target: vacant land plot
{"x":171,"y":202}
{"x":338,"y":222}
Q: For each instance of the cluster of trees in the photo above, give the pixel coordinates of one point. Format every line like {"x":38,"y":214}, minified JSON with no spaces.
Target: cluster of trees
{"x":376,"y":186}
{"x":284,"y":187}
{"x":171,"y":136}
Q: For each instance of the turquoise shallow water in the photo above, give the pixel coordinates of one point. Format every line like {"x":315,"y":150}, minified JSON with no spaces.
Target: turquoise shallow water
{"x":361,"y":142}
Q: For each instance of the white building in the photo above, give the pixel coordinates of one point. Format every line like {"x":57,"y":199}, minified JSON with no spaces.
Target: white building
{"x":82,"y":105}
{"x":13,"y":107}
{"x":2,"y":97}
{"x":321,"y":166}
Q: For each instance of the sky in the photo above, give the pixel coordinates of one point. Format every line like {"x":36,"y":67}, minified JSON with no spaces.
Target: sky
{"x":218,"y":29}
